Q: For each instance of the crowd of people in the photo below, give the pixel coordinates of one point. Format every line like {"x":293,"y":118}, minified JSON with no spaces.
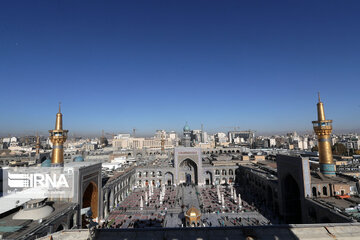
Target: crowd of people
{"x":148,"y":207}
{"x":151,"y":202}
{"x":235,"y":221}
{"x":210,"y":202}
{"x":121,"y":220}
{"x":143,"y":208}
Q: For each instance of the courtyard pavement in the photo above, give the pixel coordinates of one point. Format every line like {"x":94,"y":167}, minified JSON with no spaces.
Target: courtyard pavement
{"x":178,"y":200}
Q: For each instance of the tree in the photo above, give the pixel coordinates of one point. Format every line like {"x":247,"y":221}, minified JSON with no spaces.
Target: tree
{"x":339,"y":149}
{"x":315,"y":149}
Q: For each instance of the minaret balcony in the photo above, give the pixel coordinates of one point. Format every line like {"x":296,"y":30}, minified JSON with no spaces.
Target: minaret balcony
{"x":58,"y":134}
{"x":322,"y":125}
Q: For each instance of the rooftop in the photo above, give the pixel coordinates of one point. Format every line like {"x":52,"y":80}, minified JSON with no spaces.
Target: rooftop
{"x":13,"y":229}
{"x":288,"y":232}
{"x":318,"y":177}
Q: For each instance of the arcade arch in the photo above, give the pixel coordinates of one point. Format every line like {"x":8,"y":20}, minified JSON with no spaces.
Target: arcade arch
{"x":208,"y":178}
{"x":169,"y":178}
{"x":90,"y":199}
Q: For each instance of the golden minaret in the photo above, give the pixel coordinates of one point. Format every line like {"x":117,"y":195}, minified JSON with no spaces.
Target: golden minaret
{"x":162,"y":143}
{"x":37,"y":144}
{"x":58,"y":137}
{"x":323,"y":129}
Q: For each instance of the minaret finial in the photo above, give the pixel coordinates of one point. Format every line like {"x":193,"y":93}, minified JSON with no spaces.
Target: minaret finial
{"x":59,"y":107}
{"x":319,"y":96}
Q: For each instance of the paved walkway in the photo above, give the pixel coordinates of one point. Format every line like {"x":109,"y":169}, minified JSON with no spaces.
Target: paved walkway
{"x":173,"y":220}
{"x":190,"y":197}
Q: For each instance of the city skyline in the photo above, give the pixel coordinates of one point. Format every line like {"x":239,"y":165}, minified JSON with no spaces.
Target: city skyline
{"x":153,"y":66}
{"x":178,"y":130}
{"x":147,"y":133}
{"x":199,"y":119}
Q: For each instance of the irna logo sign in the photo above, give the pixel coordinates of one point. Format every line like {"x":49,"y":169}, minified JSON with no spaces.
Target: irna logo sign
{"x":16,"y":180}
{"x":38,"y":182}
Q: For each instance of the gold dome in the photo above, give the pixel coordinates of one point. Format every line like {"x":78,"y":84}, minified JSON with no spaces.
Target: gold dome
{"x":193,"y":212}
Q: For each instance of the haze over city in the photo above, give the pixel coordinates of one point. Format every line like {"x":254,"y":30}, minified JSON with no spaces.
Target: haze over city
{"x":179,"y":120}
{"x":156,"y":65}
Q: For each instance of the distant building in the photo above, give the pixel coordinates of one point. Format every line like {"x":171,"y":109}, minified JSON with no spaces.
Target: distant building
{"x":186,"y":139}
{"x":242,"y":137}
{"x":220,"y":138}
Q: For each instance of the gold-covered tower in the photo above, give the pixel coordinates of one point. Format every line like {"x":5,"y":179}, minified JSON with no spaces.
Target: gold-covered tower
{"x":162,"y":143}
{"x":323,"y":129}
{"x":37,"y":144}
{"x":58,"y":137}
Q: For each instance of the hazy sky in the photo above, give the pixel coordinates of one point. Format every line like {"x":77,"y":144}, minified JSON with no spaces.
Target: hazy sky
{"x":116,"y":65}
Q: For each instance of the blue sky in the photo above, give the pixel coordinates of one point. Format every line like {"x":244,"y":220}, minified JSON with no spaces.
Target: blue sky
{"x":116,"y":65}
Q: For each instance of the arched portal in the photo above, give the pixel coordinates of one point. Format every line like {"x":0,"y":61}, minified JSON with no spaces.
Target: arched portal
{"x":314,"y":191}
{"x":111,"y":200}
{"x":108,"y":205}
{"x":208,"y":178}
{"x":217,"y":181}
{"x":90,"y":199}
{"x":169,"y":178}
{"x":292,"y":203}
{"x":231,"y":180}
{"x":188,"y":172}
{"x":325,"y":191}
